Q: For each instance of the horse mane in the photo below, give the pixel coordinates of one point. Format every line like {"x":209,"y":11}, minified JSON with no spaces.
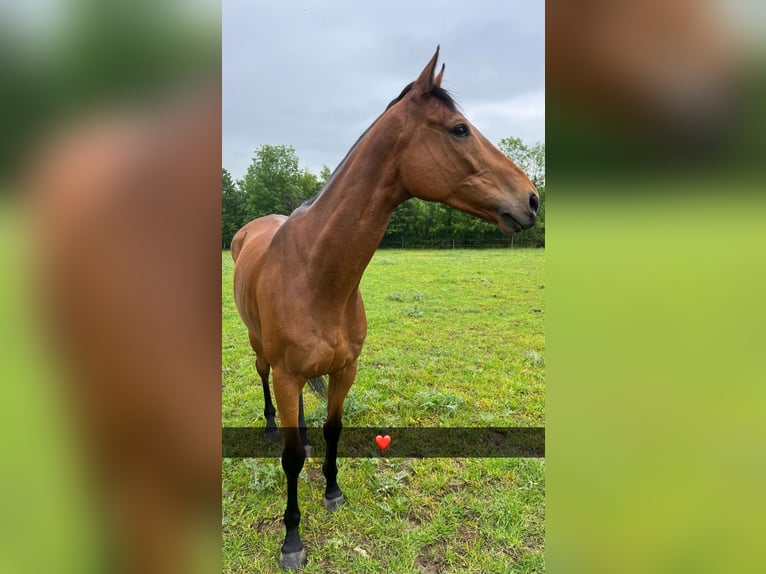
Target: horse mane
{"x":437,"y":92}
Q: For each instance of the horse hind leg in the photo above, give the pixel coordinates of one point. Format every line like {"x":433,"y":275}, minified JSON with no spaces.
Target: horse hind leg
{"x":271,"y":433}
{"x":262,"y":366}
{"x":318,"y":386}
{"x":303,"y":430}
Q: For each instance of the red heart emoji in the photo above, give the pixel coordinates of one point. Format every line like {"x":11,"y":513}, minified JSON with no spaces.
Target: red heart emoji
{"x":383,"y":441}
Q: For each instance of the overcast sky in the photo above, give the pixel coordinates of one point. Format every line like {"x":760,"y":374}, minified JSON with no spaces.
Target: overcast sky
{"x":315,"y":74}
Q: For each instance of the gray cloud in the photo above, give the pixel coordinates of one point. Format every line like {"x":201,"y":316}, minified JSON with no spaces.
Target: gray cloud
{"x":316,"y":74}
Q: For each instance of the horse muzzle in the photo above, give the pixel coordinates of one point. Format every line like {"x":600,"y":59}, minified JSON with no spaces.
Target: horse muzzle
{"x":510,"y":223}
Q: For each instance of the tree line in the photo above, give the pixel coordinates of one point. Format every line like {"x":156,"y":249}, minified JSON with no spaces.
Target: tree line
{"x":275,"y":183}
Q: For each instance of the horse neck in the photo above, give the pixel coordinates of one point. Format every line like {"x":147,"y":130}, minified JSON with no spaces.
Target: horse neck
{"x":349,"y":218}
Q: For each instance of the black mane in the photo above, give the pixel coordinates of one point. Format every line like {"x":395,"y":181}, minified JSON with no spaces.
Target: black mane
{"x":437,"y":92}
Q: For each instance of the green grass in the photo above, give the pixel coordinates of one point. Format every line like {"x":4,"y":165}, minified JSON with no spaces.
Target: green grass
{"x":456,"y":338}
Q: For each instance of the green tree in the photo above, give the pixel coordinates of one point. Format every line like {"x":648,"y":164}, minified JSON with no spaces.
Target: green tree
{"x":324,"y":175}
{"x":408,"y":224}
{"x":274,"y":182}
{"x":532,"y":161}
{"x":233,"y":209}
{"x":309,"y":185}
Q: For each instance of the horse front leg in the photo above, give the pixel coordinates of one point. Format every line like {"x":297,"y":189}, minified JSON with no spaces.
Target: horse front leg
{"x":287,"y":390}
{"x":340,"y":383}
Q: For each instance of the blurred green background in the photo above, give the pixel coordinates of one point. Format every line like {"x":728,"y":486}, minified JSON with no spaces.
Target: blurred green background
{"x":656,"y":266}
{"x":655,"y":392}
{"x":62,"y":63}
{"x":46,"y":516}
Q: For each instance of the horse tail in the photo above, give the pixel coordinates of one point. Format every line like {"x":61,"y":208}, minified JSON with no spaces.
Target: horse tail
{"x":319,"y":386}
{"x":236,"y":243}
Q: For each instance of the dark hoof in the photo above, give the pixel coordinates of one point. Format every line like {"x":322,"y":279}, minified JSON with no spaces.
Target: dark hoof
{"x":292,"y":560}
{"x":271,"y":435}
{"x":333,"y":504}
{"x":309,"y":450}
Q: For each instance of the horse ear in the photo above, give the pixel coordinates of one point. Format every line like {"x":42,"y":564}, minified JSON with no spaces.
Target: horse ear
{"x":438,"y":79}
{"x":425,"y":81}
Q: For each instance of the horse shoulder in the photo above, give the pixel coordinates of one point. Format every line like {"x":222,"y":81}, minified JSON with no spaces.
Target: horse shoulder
{"x":356,"y":320}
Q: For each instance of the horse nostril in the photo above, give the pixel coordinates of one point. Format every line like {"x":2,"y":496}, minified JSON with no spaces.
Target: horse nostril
{"x":534,"y":202}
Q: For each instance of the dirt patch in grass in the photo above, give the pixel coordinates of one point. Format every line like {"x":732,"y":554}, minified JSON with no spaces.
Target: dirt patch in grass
{"x":410,"y":524}
{"x":314,"y":474}
{"x":533,"y":543}
{"x":514,"y":553}
{"x":268,"y":524}
{"x":467,"y":533}
{"x":430,"y":559}
{"x":530,"y":545}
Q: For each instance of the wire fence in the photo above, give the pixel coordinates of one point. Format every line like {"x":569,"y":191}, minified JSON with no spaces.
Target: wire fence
{"x":511,"y":242}
{"x":451,"y":243}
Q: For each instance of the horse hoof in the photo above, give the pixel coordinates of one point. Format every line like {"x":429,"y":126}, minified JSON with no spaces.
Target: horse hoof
{"x":333,"y":504}
{"x":292,"y":560}
{"x":309,"y":450}
{"x":271,"y":435}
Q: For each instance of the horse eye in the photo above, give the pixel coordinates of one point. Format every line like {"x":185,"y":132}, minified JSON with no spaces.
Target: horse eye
{"x":460,"y":130}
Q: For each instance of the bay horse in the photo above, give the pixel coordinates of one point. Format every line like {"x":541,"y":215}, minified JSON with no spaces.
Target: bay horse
{"x":296,"y":278}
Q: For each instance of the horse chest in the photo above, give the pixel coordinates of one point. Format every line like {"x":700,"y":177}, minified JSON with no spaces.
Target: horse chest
{"x":327,"y":353}
{"x":315,"y":343}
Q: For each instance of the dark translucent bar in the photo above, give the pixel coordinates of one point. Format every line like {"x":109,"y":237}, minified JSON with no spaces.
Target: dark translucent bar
{"x":406,"y":442}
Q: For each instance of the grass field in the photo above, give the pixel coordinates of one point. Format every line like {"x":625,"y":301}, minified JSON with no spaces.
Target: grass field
{"x":456,"y":338}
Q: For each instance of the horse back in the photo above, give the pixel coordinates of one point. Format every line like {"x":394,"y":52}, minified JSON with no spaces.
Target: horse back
{"x":260,"y":230}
